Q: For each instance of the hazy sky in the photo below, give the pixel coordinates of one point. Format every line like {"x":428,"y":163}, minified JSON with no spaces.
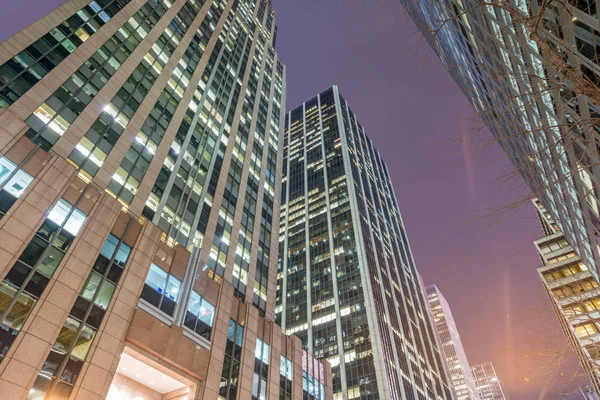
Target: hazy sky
{"x":413,"y":111}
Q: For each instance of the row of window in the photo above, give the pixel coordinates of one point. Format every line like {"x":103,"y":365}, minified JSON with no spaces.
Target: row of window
{"x":94,"y":147}
{"x":64,"y":362}
{"x":575,"y":288}
{"x":564,"y":272}
{"x":261,"y":370}
{"x":138,"y":158}
{"x":28,"y":67}
{"x":231,"y":364}
{"x":30,"y":275}
{"x":51,"y":120}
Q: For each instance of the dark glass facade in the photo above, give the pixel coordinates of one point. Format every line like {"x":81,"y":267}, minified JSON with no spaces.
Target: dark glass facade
{"x":347,"y":283}
{"x":544,"y":123}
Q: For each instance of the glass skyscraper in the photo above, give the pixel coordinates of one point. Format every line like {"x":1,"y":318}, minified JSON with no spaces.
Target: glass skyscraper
{"x":347,"y":282}
{"x":139,"y":170}
{"x":574,"y":294}
{"x":487,"y":381}
{"x":459,"y":369}
{"x":540,"y":115}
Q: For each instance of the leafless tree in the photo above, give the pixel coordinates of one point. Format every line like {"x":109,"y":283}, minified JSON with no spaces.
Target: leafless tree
{"x":552,"y":77}
{"x":549,"y":75}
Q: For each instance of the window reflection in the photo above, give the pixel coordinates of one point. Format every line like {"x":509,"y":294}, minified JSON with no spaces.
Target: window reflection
{"x":161,"y":290}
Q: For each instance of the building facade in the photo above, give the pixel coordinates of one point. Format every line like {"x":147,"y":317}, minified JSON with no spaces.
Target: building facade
{"x":347,"y":282}
{"x":531,"y":91}
{"x":574,"y":294}
{"x":487,"y":382}
{"x":589,"y":393}
{"x":459,"y":369}
{"x":139,"y":155}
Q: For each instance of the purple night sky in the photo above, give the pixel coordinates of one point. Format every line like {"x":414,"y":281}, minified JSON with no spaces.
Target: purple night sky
{"x":410,"y":107}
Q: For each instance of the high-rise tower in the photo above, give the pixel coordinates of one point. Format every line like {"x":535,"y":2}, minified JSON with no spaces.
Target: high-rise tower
{"x":347,"y":283}
{"x":139,"y":161}
{"x":574,"y":294}
{"x":532,"y":72}
{"x":459,"y":369}
{"x":487,"y":381}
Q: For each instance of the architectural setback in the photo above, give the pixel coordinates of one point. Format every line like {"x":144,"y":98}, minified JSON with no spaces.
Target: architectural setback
{"x":574,"y":294}
{"x":347,"y":282}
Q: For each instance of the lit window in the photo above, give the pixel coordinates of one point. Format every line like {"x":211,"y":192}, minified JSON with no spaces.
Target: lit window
{"x":60,"y":211}
{"x":161,"y":290}
{"x":18,"y":183}
{"x":59,"y":214}
{"x":6,"y":167}
{"x":75,"y":222}
{"x":262,"y":351}
{"x":200,"y":315}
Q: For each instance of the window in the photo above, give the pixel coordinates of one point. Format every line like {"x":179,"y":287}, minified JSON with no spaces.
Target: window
{"x":285,"y":378}
{"x":231,"y":365}
{"x":59,"y":214}
{"x":285,"y":368}
{"x":586,"y":330}
{"x":259,"y":385}
{"x":161,"y":290}
{"x":262,"y":351}
{"x":63,"y":364}
{"x":6,"y":167}
{"x":11,"y":188}
{"x":200,"y":315}
{"x":91,"y":286}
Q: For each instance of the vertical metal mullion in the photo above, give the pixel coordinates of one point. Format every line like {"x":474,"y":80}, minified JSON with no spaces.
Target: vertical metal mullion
{"x":63,"y":364}
{"x":80,"y":89}
{"x":186,"y":288}
{"x":235,"y":330}
{"x":44,"y":252}
{"x":120,"y":111}
{"x":286,"y":228}
{"x":198,"y":154}
{"x":309,"y":340}
{"x":334,"y":282}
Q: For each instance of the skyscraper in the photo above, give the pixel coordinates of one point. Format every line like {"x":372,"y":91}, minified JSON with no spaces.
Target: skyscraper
{"x":574,"y":294}
{"x":530,"y":90}
{"x":459,"y":368}
{"x":589,"y":393}
{"x":347,"y":282}
{"x":487,"y":382}
{"x":139,"y":161}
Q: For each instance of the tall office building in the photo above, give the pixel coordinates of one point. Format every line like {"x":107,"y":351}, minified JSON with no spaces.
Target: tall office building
{"x":347,"y":283}
{"x":574,"y":294}
{"x":589,"y":393}
{"x":547,"y":128}
{"x":139,"y":155}
{"x":487,"y":382}
{"x":459,"y":368}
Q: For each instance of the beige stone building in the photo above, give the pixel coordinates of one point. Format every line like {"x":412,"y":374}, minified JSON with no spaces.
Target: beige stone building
{"x":139,"y":169}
